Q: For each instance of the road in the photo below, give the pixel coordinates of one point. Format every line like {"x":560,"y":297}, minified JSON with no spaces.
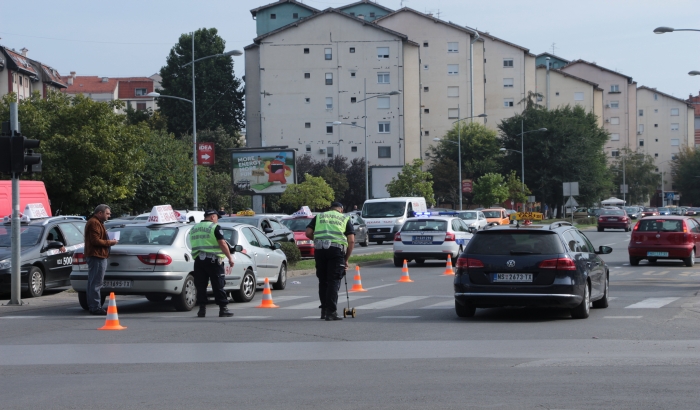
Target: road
{"x":406,"y":349}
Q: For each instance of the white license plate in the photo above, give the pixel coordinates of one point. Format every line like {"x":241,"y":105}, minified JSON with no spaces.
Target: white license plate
{"x":380,"y":236}
{"x":661,"y":254}
{"x":422,"y":240}
{"x":117,"y":284}
{"x":512,"y":277}
{"x":612,"y":219}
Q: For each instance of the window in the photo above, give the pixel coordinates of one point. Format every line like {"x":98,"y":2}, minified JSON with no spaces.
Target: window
{"x":453,"y":91}
{"x":452,"y":113}
{"x":656,"y":156}
{"x":353,"y":149}
{"x":453,"y":47}
{"x":140,"y":106}
{"x":615,"y":153}
{"x":578,"y":96}
{"x":307,"y":75}
{"x":384,"y":152}
{"x":614,"y":137}
{"x":382,"y":78}
{"x":426,"y":110}
{"x":641,"y":143}
{"x":615,"y":120}
{"x":307,"y":100}
{"x":640,"y":128}
{"x":329,"y":128}
{"x":140,"y":92}
{"x":674,"y":112}
{"x":425,"y":44}
{"x":329,"y":152}
{"x":656,"y":125}
{"x":426,"y":133}
{"x":656,"y":110}
{"x":306,"y":51}
{"x":674,"y":126}
{"x":675,"y":142}
{"x":250,"y":236}
{"x":614,"y":104}
{"x":295,"y":15}
{"x":329,"y":103}
{"x":426,"y":89}
{"x":656,"y":97}
{"x":384,"y":127}
{"x":426,"y":66}
{"x":507,"y":83}
{"x":614,"y":88}
{"x":353,"y":100}
{"x":508,"y":62}
{"x":508,"y":102}
{"x":641,"y":113}
{"x":273,"y":16}
{"x":352,"y":49}
{"x":452,"y":69}
{"x":329,"y":78}
{"x":383,"y":102}
{"x":308,"y":147}
{"x":371,"y":14}
{"x":382,"y":52}
{"x":328,"y":53}
{"x":352,"y":74}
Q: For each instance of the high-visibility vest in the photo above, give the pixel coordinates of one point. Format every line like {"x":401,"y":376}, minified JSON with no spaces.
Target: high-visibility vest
{"x":331,"y":226}
{"x":203,"y":239}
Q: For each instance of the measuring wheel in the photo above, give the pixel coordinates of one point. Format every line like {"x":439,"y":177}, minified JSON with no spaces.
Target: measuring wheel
{"x":349,"y":312}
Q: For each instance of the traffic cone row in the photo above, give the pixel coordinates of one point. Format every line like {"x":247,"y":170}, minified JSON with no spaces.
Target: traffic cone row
{"x":267,"y":296}
{"x":404,"y":273}
{"x":357,"y":286}
{"x":448,"y":268}
{"x":112,"y":322}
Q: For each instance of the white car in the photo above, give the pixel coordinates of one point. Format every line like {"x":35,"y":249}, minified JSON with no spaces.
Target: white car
{"x":473,"y":219}
{"x":430,"y":237}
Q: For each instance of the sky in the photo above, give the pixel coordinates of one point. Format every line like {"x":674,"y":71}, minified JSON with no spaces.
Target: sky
{"x":130,"y":38}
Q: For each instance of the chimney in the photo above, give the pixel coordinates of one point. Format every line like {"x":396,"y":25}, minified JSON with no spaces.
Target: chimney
{"x":24,"y":51}
{"x":105,"y":79}
{"x":71,"y":78}
{"x":361,"y":16}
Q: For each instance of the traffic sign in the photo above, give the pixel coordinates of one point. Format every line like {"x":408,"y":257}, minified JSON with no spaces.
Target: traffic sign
{"x":205,"y":153}
{"x":467,"y":186}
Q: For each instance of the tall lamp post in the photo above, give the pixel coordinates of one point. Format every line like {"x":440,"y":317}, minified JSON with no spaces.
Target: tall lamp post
{"x":194,"y":111}
{"x":459,"y":149}
{"x":624,"y":184}
{"x":365,"y":128}
{"x":522,"y":151}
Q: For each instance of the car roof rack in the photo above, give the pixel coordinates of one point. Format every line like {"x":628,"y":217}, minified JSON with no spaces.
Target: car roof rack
{"x":559,"y":224}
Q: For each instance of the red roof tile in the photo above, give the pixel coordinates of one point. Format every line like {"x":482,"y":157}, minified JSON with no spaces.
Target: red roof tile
{"x":90,"y":84}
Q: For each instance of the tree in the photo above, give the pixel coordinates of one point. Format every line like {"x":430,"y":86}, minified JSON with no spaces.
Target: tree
{"x":337,"y":181}
{"x":640,"y":176}
{"x":307,"y":165}
{"x":355,"y":194}
{"x":515,"y":189}
{"x":219,"y":96}
{"x":686,"y":175}
{"x":314,"y":192}
{"x":412,"y":181}
{"x":490,"y":189}
{"x":445,"y":181}
{"x":479,"y":145}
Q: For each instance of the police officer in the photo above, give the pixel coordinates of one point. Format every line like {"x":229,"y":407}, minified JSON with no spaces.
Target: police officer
{"x":209,"y":249}
{"x":334,"y":239}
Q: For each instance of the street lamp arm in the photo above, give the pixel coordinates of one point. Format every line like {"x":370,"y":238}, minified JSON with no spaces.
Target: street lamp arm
{"x":345,"y":123}
{"x":226,"y":54}
{"x":508,"y":149}
{"x":157,"y":95}
{"x":527,"y":132}
{"x":378,"y":95}
{"x":467,"y":118}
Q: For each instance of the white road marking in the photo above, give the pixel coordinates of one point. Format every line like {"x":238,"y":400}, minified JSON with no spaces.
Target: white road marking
{"x":612,"y":298}
{"x":650,"y":273}
{"x":253,"y":304}
{"x":315,"y":304}
{"x":20,"y":317}
{"x":381,"y":286}
{"x":622,"y":317}
{"x":383,"y":304}
{"x":652,"y":303}
{"x":398,"y":317}
{"x":449,"y":304}
{"x":312,"y":317}
{"x":251,"y":317}
{"x":610,"y":244}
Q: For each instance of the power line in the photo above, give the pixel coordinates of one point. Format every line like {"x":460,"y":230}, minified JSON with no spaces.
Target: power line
{"x":81,"y":41}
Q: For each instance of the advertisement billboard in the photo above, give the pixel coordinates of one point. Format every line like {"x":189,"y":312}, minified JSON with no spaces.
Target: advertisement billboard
{"x":263,"y":171}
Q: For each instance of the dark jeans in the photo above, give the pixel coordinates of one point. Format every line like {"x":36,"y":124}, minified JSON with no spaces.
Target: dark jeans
{"x":204,"y":271}
{"x":330,"y":269}
{"x":96,"y":277}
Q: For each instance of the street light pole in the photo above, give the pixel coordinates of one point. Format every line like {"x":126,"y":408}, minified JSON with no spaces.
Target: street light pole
{"x":522,"y":151}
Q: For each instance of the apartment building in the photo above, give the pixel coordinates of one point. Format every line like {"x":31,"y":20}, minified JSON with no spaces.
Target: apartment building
{"x":559,"y":89}
{"x":305,"y":76}
{"x":24,"y":76}
{"x":695,"y":101}
{"x":132,"y":90}
{"x":366,"y":9}
{"x":554,"y":61}
{"x":619,"y":99}
{"x":274,"y":16}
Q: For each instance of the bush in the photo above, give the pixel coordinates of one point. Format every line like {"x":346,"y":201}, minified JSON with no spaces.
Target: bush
{"x":292,"y":251}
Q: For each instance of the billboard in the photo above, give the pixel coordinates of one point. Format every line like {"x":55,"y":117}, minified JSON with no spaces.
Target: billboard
{"x":263,"y":171}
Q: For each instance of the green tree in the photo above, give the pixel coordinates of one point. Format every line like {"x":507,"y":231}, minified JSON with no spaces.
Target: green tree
{"x":490,"y":189}
{"x":355,"y":194}
{"x":515,"y":189}
{"x":337,"y":181}
{"x":479,"y":145}
{"x":445,"y":182}
{"x":314,"y":192}
{"x":686,"y":175}
{"x":214,"y":188}
{"x":412,"y":181}
{"x":219,"y":96}
{"x":640,"y":176}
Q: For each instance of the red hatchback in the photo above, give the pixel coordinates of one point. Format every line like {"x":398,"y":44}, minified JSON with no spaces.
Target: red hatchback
{"x":665,"y":237}
{"x":614,"y":219}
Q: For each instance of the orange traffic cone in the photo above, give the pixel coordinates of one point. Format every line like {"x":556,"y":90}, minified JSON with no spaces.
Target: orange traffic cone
{"x":404,"y":273}
{"x":357,"y":286}
{"x":267,"y":297}
{"x":448,"y":269}
{"x":112,"y":322}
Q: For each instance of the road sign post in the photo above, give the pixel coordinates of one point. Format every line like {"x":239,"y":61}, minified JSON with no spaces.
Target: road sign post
{"x":206,"y":153}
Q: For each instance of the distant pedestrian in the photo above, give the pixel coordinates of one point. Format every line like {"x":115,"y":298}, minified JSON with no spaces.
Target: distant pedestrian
{"x":209,"y":250}
{"x":334,"y":239}
{"x":97,"y":245}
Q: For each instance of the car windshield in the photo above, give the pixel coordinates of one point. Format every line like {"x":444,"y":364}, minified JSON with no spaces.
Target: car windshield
{"x":631,"y":210}
{"x":467,"y":215}
{"x":663,"y":225}
{"x":29,"y":235}
{"x":613,"y":212}
{"x":663,"y":209}
{"x":296,"y":225}
{"x":514,"y":243}
{"x":650,"y":210}
{"x":425,"y":225}
{"x":146,"y":235}
{"x":492,"y":214}
{"x":383,"y":209}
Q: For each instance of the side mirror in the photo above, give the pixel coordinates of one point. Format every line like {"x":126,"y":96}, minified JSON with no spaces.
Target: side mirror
{"x":471,"y":230}
{"x":268,"y":230}
{"x":604,"y":250}
{"x":238,"y":248}
{"x":356,"y":223}
{"x":277,"y":245}
{"x":53,"y":245}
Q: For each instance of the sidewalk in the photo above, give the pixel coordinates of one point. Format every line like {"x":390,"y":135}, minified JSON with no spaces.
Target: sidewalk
{"x":53,"y":297}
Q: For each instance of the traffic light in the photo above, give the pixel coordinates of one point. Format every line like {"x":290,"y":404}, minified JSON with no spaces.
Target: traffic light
{"x":22,"y":155}
{"x":5,"y":149}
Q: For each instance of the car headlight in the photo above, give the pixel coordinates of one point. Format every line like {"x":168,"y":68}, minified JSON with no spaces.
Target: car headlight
{"x":472,"y":225}
{"x":5,"y":264}
{"x":305,"y":242}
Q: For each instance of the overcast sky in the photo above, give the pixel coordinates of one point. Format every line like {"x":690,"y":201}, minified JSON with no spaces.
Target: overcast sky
{"x":132,"y":38}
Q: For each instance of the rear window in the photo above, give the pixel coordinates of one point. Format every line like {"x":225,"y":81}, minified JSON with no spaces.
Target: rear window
{"x":663,"y":225}
{"x":467,"y":215}
{"x":146,"y":235}
{"x":650,"y":210}
{"x":509,"y":242}
{"x":425,"y":225}
{"x":613,"y":212}
{"x":296,"y":225}
{"x":492,"y":214}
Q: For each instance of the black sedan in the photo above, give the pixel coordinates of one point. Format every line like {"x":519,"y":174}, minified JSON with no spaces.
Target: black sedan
{"x":43,"y":264}
{"x":271,"y":226}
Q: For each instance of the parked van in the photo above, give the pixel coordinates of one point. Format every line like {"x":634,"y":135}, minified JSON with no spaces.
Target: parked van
{"x":384,"y":217}
{"x":30,"y":192}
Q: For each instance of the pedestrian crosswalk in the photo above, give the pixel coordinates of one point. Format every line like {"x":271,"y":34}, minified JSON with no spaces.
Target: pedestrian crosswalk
{"x":654,"y":273}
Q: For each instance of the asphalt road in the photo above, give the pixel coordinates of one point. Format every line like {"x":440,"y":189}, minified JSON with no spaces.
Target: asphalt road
{"x":406,"y":349}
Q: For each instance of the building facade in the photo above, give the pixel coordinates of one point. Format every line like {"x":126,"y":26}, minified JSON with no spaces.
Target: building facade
{"x":559,"y":89}
{"x":23,"y":76}
{"x":132,"y":90}
{"x":695,"y":101}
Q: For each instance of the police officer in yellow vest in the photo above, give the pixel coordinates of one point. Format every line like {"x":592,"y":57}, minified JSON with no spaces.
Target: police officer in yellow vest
{"x":334,"y":239}
{"x":210,"y":249}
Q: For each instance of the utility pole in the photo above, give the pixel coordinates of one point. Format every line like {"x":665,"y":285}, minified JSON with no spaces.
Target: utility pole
{"x":16,"y":257}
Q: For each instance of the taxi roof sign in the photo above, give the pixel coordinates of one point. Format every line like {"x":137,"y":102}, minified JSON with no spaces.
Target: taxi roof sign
{"x":162,"y":214}
{"x":247,"y":212}
{"x":304,"y":212}
{"x":519,"y":216}
{"x":35,"y":211}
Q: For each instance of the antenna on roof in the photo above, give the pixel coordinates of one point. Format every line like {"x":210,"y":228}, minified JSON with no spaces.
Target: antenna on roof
{"x":553,"y":48}
{"x":402,"y":2}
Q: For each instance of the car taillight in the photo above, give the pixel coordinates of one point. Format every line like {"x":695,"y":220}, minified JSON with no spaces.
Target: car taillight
{"x":559,"y":264}
{"x":636,"y":226}
{"x":685,"y":227}
{"x":469,"y":263}
{"x":397,"y":237}
{"x":155,"y":259}
{"x":79,"y":259}
{"x":600,"y":219}
{"x":449,"y":236}
{"x":624,"y":219}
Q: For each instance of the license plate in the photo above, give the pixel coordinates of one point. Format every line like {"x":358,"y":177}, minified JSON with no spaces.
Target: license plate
{"x":612,"y":219}
{"x":422,"y":240}
{"x":512,"y":277}
{"x":662,"y":254}
{"x":380,"y":236}
{"x":117,"y":284}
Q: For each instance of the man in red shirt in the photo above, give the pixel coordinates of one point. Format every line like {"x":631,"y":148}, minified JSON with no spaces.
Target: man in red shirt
{"x":97,"y":245}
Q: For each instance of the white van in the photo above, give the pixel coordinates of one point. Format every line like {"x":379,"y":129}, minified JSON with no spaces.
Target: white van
{"x":384,"y":217}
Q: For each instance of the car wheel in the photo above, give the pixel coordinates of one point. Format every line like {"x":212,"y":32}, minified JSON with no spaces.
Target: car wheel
{"x":247,"y":290}
{"x":600,"y":229}
{"x":365,"y":243}
{"x":380,"y":242}
{"x":464,"y":310}
{"x":420,"y":261}
{"x":82,"y":299}
{"x":634,"y":261}
{"x":156,"y":297}
{"x":584,"y":308}
{"x":186,"y":300}
{"x":281,"y":278}
{"x":35,"y":283}
{"x":690,"y":262}
{"x":603,"y":302}
{"x":398,"y":262}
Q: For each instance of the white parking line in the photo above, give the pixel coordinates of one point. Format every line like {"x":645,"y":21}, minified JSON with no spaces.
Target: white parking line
{"x":398,"y":317}
{"x":622,"y":317}
{"x":251,"y":317}
{"x":20,"y":317}
{"x":315,"y":304}
{"x":652,"y":303}
{"x":275,"y":299}
{"x":449,"y":304}
{"x":383,"y":304}
{"x":381,"y":286}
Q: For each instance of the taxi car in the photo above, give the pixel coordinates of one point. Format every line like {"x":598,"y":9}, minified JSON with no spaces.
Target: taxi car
{"x":531,"y":265}
{"x":665,"y":237}
{"x":473,"y":219}
{"x":297,"y":223}
{"x":43,"y":265}
{"x":496,"y":216}
{"x":271,"y":226}
{"x":430,"y":237}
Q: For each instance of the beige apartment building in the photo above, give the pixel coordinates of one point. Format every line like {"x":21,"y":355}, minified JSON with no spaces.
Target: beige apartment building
{"x":665,"y":124}
{"x":303,"y":77}
{"x":23,"y":76}
{"x":559,"y":89}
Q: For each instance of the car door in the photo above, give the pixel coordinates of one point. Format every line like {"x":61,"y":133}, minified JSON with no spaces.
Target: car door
{"x":258,"y":253}
{"x":462,"y":235}
{"x":360,"y":229}
{"x":274,"y":260}
{"x":593,"y":264}
{"x":694,"y":229}
{"x":280,"y":233}
{"x":52,"y":259}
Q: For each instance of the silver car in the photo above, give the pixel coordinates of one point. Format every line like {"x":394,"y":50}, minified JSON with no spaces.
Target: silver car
{"x":360,"y":227}
{"x":473,"y":219}
{"x":432,"y":237}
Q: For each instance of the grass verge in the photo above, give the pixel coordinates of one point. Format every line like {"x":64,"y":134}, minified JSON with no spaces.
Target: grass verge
{"x":311,"y":264}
